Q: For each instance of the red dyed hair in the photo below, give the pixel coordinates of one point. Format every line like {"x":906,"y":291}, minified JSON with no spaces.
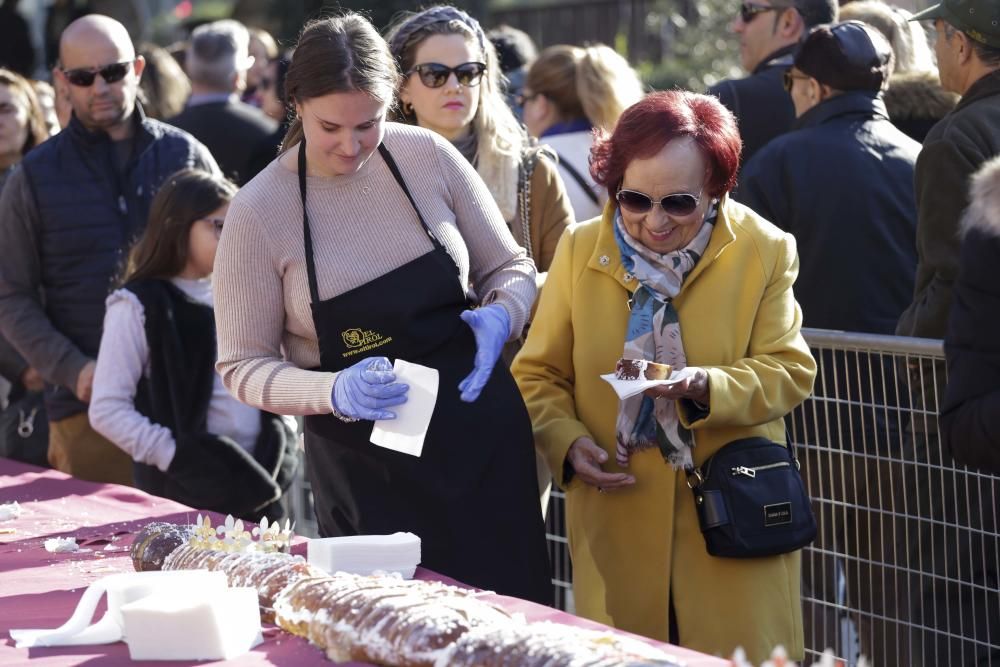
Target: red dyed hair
{"x":649,"y":124}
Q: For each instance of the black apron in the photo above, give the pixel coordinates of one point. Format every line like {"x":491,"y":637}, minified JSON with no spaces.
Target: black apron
{"x":471,"y":496}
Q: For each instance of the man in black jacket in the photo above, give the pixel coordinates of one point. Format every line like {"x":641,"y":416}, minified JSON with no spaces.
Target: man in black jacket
{"x":67,"y":215}
{"x":858,"y":253}
{"x":968,"y":54}
{"x":970,"y":412}
{"x":240,"y":136}
{"x":768,"y":30}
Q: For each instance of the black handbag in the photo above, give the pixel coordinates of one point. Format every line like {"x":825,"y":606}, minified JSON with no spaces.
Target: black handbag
{"x":751,"y":500}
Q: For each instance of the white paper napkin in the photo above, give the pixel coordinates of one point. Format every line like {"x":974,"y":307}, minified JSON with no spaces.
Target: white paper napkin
{"x":121,"y":589}
{"x":406,"y":432}
{"x":627,"y":388}
{"x":366,"y":554}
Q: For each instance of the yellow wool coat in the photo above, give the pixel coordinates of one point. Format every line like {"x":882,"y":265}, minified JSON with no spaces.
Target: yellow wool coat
{"x":635,"y":549}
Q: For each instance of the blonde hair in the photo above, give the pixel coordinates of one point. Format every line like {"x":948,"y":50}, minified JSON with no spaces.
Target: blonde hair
{"x":497,"y":131}
{"x":591,"y":82}
{"x":907,"y":39}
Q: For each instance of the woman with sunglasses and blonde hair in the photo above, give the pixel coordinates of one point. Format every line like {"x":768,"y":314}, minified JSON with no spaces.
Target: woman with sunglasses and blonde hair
{"x":567,"y":93}
{"x":451,"y":85}
{"x":674,"y":273}
{"x":156,"y":394}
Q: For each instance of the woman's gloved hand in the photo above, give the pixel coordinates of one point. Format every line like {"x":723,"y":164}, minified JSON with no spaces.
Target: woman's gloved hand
{"x":366,"y":389}
{"x":491,"y":326}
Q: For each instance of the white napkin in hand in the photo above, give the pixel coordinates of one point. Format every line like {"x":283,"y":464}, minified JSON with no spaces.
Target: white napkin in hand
{"x":366,"y":554}
{"x":406,"y":432}
{"x":627,"y":388}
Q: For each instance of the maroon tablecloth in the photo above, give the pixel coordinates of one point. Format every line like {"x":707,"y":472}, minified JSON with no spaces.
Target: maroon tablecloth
{"x":39,"y":589}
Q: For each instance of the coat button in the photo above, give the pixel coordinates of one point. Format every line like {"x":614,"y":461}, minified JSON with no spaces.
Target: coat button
{"x":604,"y":260}
{"x":629,"y":277}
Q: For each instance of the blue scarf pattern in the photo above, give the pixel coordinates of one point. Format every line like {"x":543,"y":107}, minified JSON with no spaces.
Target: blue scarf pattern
{"x":654,"y":334}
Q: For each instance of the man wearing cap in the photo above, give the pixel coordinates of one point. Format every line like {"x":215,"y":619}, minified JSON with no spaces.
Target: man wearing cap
{"x":67,"y":216}
{"x":768,"y":30}
{"x":968,"y":55}
{"x":842,"y":142}
{"x":842,"y":182}
{"x":961,"y":615}
{"x":240,"y":136}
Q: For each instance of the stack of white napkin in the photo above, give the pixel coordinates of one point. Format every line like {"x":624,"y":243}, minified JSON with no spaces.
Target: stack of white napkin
{"x":367,"y":554}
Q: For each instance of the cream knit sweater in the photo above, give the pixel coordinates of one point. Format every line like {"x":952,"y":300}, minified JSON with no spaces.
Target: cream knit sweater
{"x":362,"y":227}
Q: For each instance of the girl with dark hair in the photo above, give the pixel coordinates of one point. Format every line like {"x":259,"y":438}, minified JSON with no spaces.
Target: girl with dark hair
{"x":156,"y":393}
{"x":356,"y":247}
{"x":708,"y":288}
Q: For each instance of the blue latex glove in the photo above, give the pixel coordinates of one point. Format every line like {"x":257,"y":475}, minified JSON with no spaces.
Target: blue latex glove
{"x":491,"y":326}
{"x":366,"y":389}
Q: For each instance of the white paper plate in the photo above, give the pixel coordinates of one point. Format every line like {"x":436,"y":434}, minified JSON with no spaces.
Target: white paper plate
{"x":628,"y":388}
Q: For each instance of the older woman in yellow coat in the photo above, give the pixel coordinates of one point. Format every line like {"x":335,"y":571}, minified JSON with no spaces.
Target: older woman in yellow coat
{"x":675,"y":272}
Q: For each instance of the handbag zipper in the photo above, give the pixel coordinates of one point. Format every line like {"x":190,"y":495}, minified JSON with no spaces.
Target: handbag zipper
{"x":752,"y":472}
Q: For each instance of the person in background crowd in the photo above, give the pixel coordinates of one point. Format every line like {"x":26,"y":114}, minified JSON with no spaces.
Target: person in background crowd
{"x":970,"y":411}
{"x":158,"y":345}
{"x":236,"y":133}
{"x":864,"y":246}
{"x":263,"y":49}
{"x":842,"y":141}
{"x":357,"y":245}
{"x":769,"y":31}
{"x":22,"y":121}
{"x":22,"y":128}
{"x":968,"y":55}
{"x":708,"y":285}
{"x":450,"y":85}
{"x":568,"y":92}
{"x":66,"y":215}
{"x":970,"y":431}
{"x":46,"y":96}
{"x":16,"y":52}
{"x":164,"y":87}
{"x":515,"y":53}
{"x":274,"y":103}
{"x":914,"y":99}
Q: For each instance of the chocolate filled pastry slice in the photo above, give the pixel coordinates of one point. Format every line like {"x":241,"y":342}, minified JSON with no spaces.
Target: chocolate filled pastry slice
{"x":641,"y":369}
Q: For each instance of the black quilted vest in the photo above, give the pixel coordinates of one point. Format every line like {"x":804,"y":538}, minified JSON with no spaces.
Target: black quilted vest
{"x":89,"y":216}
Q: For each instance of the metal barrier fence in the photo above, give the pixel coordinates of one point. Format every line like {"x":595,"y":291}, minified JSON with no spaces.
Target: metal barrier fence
{"x":905,"y":567}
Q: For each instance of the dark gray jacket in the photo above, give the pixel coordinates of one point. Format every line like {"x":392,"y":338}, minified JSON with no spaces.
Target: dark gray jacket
{"x":67,"y":217}
{"x":954,"y":149}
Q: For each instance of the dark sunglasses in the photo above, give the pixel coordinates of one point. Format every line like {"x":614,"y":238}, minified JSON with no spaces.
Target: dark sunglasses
{"x":788,"y":79}
{"x":678,"y":204}
{"x":84,"y":77}
{"x":748,"y":10}
{"x":435,"y":75}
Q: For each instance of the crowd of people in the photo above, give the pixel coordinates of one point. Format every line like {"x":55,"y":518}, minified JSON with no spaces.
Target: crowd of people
{"x":201,"y":244}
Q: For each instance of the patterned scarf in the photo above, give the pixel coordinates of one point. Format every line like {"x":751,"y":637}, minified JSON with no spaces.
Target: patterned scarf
{"x":654,"y":333}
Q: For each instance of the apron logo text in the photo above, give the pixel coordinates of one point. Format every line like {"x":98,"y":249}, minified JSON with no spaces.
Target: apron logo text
{"x":361,"y":340}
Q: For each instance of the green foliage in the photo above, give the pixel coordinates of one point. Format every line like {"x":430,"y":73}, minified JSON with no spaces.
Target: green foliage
{"x":699,"y":49}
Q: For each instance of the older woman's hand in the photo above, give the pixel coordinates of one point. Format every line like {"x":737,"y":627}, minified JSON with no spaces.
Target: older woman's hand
{"x":586,"y":458}
{"x":693,"y":387}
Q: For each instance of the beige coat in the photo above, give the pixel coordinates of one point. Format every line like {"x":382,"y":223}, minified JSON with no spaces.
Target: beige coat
{"x":634,"y":550}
